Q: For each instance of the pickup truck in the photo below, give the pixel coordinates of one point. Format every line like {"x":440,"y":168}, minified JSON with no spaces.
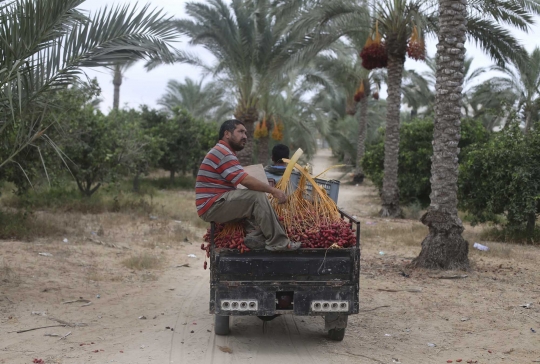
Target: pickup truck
{"x":306,"y":282}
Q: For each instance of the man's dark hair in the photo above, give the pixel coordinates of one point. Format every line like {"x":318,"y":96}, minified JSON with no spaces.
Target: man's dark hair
{"x":279,"y":152}
{"x":229,"y":125}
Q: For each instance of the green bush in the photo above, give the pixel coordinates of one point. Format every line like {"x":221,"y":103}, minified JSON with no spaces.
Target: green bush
{"x":415,"y":150}
{"x":502,"y":177}
{"x":186,"y":139}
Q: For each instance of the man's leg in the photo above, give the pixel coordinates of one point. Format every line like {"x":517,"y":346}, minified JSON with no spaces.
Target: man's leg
{"x":254,"y":205}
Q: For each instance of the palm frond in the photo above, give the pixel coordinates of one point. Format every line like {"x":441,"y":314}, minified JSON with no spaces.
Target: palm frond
{"x":44,"y":44}
{"x":497,"y":41}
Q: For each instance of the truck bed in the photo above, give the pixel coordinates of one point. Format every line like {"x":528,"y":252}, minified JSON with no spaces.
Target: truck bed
{"x":326,"y":275}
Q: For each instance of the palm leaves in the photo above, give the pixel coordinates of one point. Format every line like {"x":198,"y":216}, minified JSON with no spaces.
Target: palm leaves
{"x":256,"y":43}
{"x":203,"y":101}
{"x":44,"y":44}
{"x":418,"y":91}
{"x":488,"y":22}
{"x":520,"y":85}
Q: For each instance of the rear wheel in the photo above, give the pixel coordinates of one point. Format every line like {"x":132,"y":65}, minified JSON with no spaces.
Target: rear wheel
{"x":336,"y":334}
{"x":221,"y":325}
{"x":336,"y":324}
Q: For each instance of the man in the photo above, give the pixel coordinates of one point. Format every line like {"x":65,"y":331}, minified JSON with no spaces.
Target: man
{"x":276,"y":170}
{"x":218,"y":199}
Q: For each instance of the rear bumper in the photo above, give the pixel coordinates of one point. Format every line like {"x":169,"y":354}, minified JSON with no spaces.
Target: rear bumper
{"x":259,"y":299}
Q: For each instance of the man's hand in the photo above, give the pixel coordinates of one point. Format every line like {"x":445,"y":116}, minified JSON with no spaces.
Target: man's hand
{"x":279,"y":195}
{"x":255,"y":185}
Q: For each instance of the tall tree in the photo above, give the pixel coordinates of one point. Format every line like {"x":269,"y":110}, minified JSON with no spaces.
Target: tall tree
{"x":255,"y":43}
{"x":398,"y":20}
{"x":444,"y":247}
{"x":118,"y":71}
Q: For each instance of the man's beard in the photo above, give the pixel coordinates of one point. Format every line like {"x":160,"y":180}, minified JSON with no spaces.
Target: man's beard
{"x":236,"y":146}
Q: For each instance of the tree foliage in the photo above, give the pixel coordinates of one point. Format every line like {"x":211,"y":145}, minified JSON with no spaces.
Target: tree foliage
{"x":44,"y":45}
{"x":99,"y":148}
{"x":208,"y":101}
{"x":415,"y":151}
{"x":502,"y":177}
{"x":186,"y":139}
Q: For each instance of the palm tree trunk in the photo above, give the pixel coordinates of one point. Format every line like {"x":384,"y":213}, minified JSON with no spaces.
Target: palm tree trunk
{"x":249,"y":116}
{"x":117,"y":82}
{"x":390,"y":190}
{"x":444,"y":246}
{"x":263,"y":155}
{"x":528,"y":119}
{"x":362,"y":114}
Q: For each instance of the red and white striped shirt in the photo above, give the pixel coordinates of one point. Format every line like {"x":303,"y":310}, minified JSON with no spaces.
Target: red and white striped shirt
{"x":220,"y":172}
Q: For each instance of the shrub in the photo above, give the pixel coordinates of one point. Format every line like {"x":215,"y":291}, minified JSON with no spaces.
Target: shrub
{"x":503,"y":177}
{"x":415,"y":150}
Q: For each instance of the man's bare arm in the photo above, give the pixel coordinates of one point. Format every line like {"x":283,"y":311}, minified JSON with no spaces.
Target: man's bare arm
{"x":254,"y":184}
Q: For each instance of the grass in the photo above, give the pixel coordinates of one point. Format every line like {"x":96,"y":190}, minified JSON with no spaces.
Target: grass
{"x":157,"y":197}
{"x":23,"y":225}
{"x":403,"y":234}
{"x":413,"y":211}
{"x":142,"y":261}
{"x":69,"y":199}
{"x":509,"y":235}
{"x":7,"y":274}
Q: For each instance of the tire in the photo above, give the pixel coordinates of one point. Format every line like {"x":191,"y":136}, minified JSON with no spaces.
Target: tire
{"x":221,"y":325}
{"x":336,"y":334}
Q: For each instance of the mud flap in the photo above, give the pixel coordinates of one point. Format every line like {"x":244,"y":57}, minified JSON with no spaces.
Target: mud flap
{"x":335,"y":321}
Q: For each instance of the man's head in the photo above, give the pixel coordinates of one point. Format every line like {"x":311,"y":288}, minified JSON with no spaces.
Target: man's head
{"x":233,"y":132}
{"x":279,"y":152}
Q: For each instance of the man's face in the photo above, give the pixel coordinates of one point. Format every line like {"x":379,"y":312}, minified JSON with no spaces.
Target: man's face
{"x":238,"y":138}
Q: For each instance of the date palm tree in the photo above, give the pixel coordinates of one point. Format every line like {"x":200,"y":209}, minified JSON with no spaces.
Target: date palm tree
{"x":346,"y":118}
{"x":118,"y":70}
{"x":346,"y":71}
{"x":207,"y":101}
{"x":256,"y":42}
{"x":485,"y":25}
{"x":444,"y":247}
{"x":45,"y":44}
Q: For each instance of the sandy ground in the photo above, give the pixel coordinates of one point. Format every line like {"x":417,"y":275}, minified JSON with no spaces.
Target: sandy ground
{"x":161,"y":315}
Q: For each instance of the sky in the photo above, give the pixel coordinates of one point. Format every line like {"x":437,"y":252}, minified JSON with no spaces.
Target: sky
{"x":141,"y":87}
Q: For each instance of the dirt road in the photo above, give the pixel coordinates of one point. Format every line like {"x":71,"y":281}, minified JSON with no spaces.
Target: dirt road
{"x":129,"y":324}
{"x":161,"y":316}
